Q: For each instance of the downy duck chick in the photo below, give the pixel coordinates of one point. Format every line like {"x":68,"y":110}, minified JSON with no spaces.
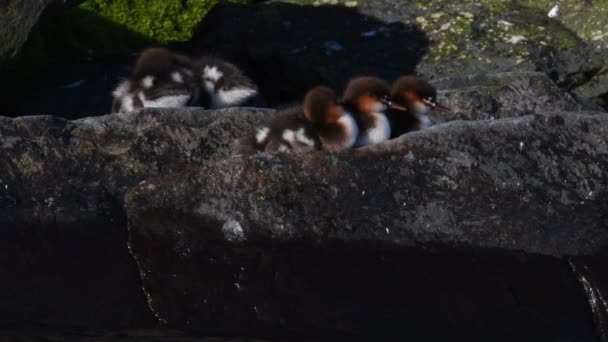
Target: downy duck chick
{"x":335,"y":127}
{"x":367,"y":98}
{"x":161,"y":78}
{"x":418,"y":97}
{"x":321,"y":124}
{"x":223,"y":84}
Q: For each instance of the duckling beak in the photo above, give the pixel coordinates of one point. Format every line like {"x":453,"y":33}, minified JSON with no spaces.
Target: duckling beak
{"x":441,"y":108}
{"x":392,"y":105}
{"x":436,"y":106}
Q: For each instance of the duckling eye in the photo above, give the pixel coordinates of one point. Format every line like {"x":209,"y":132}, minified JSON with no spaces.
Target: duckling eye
{"x":429,"y":101}
{"x":384,"y":99}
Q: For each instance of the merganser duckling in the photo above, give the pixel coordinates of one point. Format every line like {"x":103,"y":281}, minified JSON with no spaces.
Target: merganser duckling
{"x":335,"y":127}
{"x":321,"y":124}
{"x":418,"y":97}
{"x":161,"y":78}
{"x":367,"y":98}
{"x":223,"y":84}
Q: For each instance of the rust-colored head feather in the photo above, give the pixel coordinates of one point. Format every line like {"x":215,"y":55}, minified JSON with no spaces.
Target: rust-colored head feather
{"x":412,"y":85}
{"x":365,"y":86}
{"x":320,"y":106}
{"x":412,"y":91}
{"x":154,"y":59}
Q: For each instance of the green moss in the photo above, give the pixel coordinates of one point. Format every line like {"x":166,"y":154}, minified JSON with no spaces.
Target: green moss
{"x":159,"y":21}
{"x":110,"y":27}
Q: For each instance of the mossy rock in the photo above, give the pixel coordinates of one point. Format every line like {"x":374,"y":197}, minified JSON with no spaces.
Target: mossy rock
{"x":469,"y":37}
{"x":160,"y":21}
{"x":109,"y":27}
{"x":589,"y":19}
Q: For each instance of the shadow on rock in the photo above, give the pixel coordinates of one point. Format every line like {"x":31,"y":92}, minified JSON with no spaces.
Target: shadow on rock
{"x":71,"y":76}
{"x":202,"y":282}
{"x":289,"y":48}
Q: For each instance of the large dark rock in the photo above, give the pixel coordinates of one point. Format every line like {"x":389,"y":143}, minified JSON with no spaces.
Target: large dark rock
{"x":436,"y":234}
{"x":64,"y":255}
{"x":512,"y":184}
{"x":464,"y":226}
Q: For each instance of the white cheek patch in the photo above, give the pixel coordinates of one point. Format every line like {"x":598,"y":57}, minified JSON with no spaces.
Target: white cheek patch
{"x":262,"y":134}
{"x":379,"y":107}
{"x":421,"y":108}
{"x":301,"y":137}
{"x":425,"y":121}
{"x":283,"y":148}
{"x":147,"y":82}
{"x":351,"y":129}
{"x":177,"y":77}
{"x":172,"y":101}
{"x":231,"y":97}
{"x":289,"y":136}
{"x":380,"y":132}
{"x":212,"y":73}
{"x":122,"y":89}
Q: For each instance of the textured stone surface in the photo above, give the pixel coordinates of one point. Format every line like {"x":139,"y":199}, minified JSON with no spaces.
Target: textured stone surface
{"x":502,"y":95}
{"x":61,"y":219}
{"x":535,"y":183}
{"x":108,"y":153}
{"x":453,"y":218}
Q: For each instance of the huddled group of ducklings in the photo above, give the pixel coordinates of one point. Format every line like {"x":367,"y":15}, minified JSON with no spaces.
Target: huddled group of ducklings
{"x":370,"y":111}
{"x":162,"y":78}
